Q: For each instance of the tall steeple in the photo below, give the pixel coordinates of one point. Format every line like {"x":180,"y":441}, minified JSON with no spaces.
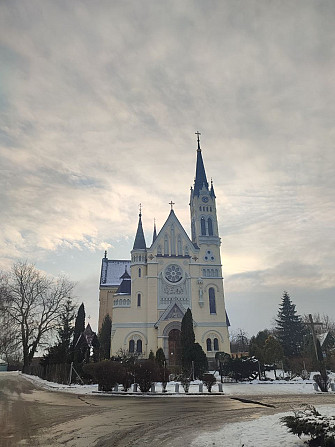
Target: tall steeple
{"x":139,"y":242}
{"x":200,"y":173}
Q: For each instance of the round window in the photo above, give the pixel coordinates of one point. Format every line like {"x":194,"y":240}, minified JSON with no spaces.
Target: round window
{"x":173,"y":273}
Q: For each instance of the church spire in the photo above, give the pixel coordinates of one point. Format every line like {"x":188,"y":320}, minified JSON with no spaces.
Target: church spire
{"x":200,"y":174}
{"x":154,"y":236}
{"x":139,"y":242}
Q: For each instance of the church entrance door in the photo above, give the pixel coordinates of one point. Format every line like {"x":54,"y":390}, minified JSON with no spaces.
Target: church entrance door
{"x":174,"y":348}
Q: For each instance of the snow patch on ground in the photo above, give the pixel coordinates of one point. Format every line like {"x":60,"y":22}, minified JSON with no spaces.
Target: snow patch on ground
{"x":266,"y":430}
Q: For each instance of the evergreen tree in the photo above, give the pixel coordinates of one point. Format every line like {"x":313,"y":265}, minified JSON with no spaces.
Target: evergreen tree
{"x":78,"y":343}
{"x":187,"y":340}
{"x":290,"y":329}
{"x":191,"y":351}
{"x":105,"y":338}
{"x":160,"y":357}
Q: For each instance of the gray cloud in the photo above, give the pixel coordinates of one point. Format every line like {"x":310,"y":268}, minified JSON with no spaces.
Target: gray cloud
{"x":99,"y":107}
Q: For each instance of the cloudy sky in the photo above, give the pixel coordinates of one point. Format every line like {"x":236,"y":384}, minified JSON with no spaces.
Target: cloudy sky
{"x":99,"y":102}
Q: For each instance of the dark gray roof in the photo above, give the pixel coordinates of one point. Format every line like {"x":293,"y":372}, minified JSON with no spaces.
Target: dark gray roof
{"x":125,"y":286}
{"x":200,"y":174}
{"x":139,"y":242}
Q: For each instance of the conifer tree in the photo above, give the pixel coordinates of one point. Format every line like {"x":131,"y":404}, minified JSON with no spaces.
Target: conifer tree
{"x":160,"y":357}
{"x":290,"y":329}
{"x":79,"y":328}
{"x":105,"y":338}
{"x":187,"y":340}
{"x":191,"y":351}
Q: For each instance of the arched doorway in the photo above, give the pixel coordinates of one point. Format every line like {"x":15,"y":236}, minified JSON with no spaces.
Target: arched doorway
{"x":174,"y":348}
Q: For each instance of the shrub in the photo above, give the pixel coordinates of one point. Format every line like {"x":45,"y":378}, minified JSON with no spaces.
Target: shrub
{"x":146,"y":372}
{"x":107,"y":373}
{"x":185,"y":381}
{"x":209,"y":380}
{"x":310,"y":422}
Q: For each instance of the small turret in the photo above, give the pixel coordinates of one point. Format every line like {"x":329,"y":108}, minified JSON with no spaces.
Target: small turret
{"x":139,"y":242}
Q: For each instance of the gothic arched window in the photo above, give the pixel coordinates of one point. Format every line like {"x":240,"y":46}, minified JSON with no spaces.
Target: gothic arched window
{"x":179,"y":246}
{"x":138,"y":300}
{"x":212,"y":304}
{"x":166,"y":245}
{"x":203,"y":226}
{"x":216,"y":344}
{"x":209,"y":344}
{"x":210,"y":226}
{"x":139,"y":273}
{"x":131,"y":346}
{"x":139,"y":346}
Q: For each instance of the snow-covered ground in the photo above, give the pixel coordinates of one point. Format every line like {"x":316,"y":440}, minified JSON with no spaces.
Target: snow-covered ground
{"x":264,"y":431}
{"x":255,"y":387}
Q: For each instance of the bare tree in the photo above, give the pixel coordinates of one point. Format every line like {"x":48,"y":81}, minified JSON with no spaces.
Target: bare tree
{"x":33,"y":302}
{"x":326,"y":323}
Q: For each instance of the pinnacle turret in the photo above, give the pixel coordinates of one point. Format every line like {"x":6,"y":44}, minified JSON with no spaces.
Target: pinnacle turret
{"x":139,"y":242}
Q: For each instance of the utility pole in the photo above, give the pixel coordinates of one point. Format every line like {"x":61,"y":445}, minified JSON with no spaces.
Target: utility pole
{"x":324,"y":378}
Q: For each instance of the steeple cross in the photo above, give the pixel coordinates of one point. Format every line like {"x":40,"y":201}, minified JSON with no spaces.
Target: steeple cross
{"x":171,"y":203}
{"x":198,"y":135}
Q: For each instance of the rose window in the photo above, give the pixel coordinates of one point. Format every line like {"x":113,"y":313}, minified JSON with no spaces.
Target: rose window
{"x":173,"y":273}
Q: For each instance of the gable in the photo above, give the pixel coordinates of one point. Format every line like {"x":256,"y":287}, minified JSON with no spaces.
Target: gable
{"x":175,"y":311}
{"x":172,"y":240}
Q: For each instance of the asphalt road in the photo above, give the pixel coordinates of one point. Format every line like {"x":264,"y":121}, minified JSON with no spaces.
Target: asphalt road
{"x":30,"y":416}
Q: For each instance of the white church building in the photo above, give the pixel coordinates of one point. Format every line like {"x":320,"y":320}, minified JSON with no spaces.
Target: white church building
{"x":148,"y":295}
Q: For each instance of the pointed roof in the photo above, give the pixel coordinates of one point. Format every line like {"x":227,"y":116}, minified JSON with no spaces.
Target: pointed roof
{"x":154,"y":236}
{"x":200,"y":173}
{"x":139,"y":242}
{"x":212,"y":190}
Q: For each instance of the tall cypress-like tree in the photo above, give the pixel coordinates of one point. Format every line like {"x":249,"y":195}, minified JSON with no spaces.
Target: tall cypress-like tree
{"x":290,"y":329}
{"x":191,"y":351}
{"x":79,"y":328}
{"x":105,"y":338}
{"x":187,"y":340}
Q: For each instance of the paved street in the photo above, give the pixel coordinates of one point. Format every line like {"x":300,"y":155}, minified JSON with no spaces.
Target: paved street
{"x":35,"y":417}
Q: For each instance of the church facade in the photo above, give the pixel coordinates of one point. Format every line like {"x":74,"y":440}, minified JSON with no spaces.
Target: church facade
{"x":148,"y":295}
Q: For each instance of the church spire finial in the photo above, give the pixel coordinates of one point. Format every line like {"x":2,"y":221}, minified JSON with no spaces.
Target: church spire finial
{"x":198,"y":135}
{"x":140,"y":208}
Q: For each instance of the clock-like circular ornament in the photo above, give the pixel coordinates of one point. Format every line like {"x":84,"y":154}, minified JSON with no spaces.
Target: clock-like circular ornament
{"x":205,"y":199}
{"x":173,"y":273}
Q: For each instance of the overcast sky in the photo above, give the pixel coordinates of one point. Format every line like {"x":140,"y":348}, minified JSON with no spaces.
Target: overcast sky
{"x":99,"y":103}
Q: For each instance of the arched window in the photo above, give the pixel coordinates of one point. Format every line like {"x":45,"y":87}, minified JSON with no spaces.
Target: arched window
{"x":138,"y":300}
{"x":159,"y":250}
{"x":212,"y":305}
{"x":179,"y":246}
{"x":131,"y":346}
{"x":139,"y":273}
{"x":209,"y":344}
{"x":216,"y":344}
{"x":139,"y":346}
{"x":186,"y":250}
{"x":216,"y":272}
{"x":203,"y":226}
{"x":203,"y":272}
{"x":166,"y":245}
{"x":210,"y":226}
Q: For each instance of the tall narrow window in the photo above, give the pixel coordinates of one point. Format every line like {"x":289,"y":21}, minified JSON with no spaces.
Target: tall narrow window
{"x":209,"y":344}
{"x":139,"y":273}
{"x":216,"y":344}
{"x":210,"y":226}
{"x":138,"y":300}
{"x":212,"y":304}
{"x":179,"y":246}
{"x":203,"y":226}
{"x":139,"y":346}
{"x":131,"y":346}
{"x":166,"y":245}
